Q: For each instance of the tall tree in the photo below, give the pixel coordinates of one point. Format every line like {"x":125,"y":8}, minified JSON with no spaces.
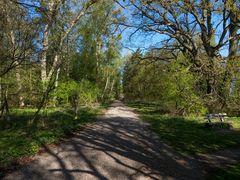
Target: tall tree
{"x":187,"y":22}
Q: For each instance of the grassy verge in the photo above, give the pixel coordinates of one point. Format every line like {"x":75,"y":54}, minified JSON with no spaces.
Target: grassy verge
{"x":188,"y":135}
{"x":230,"y":173}
{"x":23,"y":138}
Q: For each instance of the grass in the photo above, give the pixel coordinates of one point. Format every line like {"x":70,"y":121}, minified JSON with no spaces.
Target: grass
{"x":230,"y":173}
{"x":21,"y":138}
{"x":188,"y":135}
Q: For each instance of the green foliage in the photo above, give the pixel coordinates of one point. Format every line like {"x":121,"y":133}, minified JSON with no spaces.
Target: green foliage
{"x":88,"y":92}
{"x":233,"y":97}
{"x":85,"y":92}
{"x":33,"y":147}
{"x":179,"y":89}
{"x":88,"y":55}
{"x":170,"y":84}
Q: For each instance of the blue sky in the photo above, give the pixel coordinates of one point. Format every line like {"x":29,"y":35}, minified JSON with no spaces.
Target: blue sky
{"x":143,"y":41}
{"x":139,"y":40}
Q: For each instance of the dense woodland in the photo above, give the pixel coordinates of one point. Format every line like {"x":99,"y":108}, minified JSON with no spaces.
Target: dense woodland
{"x":53,"y":54}
{"x":61,"y":61}
{"x":58,"y":53}
{"x":196,"y":67}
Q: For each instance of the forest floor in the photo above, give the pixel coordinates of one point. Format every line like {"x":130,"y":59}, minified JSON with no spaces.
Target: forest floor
{"x":120,"y":146}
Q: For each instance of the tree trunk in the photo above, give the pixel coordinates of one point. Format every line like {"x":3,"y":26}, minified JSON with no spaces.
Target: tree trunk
{"x":209,"y":86}
{"x":57,"y":62}
{"x":4,"y":108}
{"x":56,"y":85}
{"x":18,"y":75}
{"x":0,"y":92}
{"x":97,"y":55}
{"x":76,"y":108}
{"x":233,"y":46}
{"x":44,"y":57}
{"x":105,"y":88}
{"x":19,"y":83}
{"x":113,"y":82}
{"x":232,"y":68}
{"x":54,"y":68}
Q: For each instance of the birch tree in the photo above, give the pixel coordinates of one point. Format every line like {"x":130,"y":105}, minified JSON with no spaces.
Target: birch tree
{"x":54,"y":69}
{"x":13,"y":53}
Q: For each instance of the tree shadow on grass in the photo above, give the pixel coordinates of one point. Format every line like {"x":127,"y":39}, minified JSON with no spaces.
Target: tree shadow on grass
{"x":124,"y":148}
{"x":23,"y":139}
{"x":190,"y":136}
{"x":115,"y":148}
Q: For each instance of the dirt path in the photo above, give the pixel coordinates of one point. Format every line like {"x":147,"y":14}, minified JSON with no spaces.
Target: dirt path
{"x":118,"y":146}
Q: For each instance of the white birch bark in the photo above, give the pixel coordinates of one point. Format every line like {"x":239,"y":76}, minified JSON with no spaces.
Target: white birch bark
{"x":44,"y":56}
{"x":105,"y":88}
{"x":57,"y":61}
{"x":50,"y":6}
{"x":97,"y":55}
{"x":113,"y":82}
{"x":56,"y":84}
{"x":18,"y":75}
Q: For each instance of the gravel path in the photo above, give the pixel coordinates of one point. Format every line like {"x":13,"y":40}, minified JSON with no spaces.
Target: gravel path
{"x":118,"y":146}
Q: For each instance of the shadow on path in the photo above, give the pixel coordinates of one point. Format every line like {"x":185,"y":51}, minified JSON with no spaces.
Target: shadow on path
{"x":118,"y":146}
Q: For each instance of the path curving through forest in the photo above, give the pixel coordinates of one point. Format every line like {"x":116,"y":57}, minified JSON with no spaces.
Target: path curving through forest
{"x":118,"y":146}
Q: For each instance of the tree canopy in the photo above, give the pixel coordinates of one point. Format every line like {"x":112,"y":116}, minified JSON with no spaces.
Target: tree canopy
{"x":56,"y":52}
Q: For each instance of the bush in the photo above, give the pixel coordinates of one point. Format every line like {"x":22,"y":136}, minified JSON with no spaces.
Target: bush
{"x":74,"y":93}
{"x":180,"y":95}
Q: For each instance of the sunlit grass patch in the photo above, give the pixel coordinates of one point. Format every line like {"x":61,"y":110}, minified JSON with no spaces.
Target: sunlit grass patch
{"x":188,"y":134}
